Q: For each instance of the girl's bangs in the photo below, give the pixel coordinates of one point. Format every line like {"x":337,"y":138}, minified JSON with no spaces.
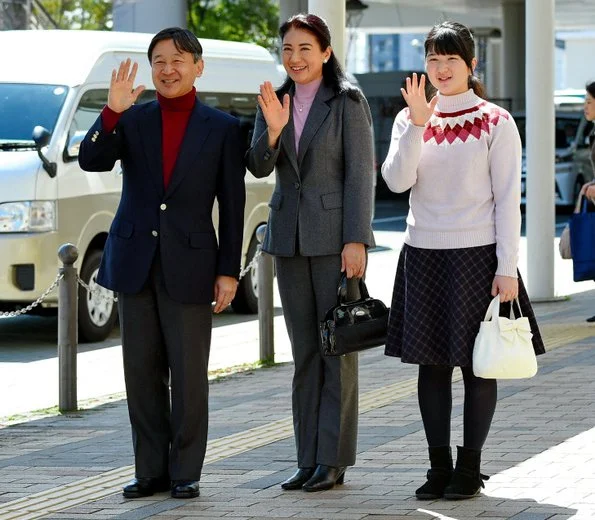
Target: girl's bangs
{"x":445,"y":41}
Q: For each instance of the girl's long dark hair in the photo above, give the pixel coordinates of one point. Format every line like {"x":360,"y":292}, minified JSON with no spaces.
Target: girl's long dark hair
{"x":455,"y":38}
{"x":332,"y":72}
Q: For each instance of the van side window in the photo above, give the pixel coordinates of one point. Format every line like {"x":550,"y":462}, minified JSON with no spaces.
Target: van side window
{"x":90,"y":106}
{"x":242,"y":106}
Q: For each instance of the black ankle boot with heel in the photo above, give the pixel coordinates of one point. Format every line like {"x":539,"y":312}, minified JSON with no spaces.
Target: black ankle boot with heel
{"x":325,"y":477}
{"x":438,"y":475}
{"x":467,"y":480}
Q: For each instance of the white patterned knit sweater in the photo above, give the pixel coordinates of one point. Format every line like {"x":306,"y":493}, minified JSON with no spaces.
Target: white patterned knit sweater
{"x":464,"y":171}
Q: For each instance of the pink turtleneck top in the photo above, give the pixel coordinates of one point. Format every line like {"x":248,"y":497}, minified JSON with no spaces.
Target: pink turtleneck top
{"x":302,"y":102}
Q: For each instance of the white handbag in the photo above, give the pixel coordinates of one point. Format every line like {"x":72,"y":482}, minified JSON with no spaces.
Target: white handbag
{"x":503,"y":347}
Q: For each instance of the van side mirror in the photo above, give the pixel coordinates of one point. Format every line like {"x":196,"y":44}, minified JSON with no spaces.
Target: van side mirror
{"x":42,"y":136}
{"x":74,"y":144}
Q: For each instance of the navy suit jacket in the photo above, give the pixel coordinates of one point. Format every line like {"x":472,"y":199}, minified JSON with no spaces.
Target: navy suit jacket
{"x":177,"y":220}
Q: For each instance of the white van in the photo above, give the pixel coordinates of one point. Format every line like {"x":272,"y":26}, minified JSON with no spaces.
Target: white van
{"x":53,"y":86}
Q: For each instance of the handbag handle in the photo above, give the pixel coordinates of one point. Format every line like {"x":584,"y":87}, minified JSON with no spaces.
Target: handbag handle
{"x":494,"y":308}
{"x":342,"y":290}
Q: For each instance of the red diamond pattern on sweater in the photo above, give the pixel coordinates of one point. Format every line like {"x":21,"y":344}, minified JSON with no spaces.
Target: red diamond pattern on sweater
{"x":465,"y":125}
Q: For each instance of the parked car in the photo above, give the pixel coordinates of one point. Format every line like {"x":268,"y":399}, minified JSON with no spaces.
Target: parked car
{"x":573,"y":166}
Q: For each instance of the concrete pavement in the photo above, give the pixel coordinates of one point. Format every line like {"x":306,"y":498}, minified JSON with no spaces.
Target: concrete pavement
{"x":540,"y":453}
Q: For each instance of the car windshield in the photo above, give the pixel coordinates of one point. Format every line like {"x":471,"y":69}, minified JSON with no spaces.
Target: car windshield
{"x":24,"y":106}
{"x":566,"y":129}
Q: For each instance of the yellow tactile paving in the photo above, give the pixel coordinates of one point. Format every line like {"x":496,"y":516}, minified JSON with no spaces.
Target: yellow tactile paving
{"x":58,"y":499}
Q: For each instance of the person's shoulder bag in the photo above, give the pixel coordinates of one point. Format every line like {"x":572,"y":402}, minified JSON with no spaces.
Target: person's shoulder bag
{"x":582,"y":243}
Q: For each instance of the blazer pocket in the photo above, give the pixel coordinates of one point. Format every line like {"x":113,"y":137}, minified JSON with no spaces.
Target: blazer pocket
{"x":202,"y":240}
{"x":332,"y":200}
{"x":122,"y":228}
{"x":276,"y":200}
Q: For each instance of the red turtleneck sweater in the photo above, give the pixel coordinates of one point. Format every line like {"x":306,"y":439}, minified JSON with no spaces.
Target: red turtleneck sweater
{"x":175,"y":114}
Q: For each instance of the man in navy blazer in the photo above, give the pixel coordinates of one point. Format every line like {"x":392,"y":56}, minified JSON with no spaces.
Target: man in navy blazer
{"x":162,"y":255}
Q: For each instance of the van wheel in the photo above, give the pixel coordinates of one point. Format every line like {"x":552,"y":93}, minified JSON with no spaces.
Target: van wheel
{"x":246,"y":300}
{"x":97,"y":310}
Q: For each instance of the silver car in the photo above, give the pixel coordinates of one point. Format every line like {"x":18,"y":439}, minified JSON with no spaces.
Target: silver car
{"x":573,"y":165}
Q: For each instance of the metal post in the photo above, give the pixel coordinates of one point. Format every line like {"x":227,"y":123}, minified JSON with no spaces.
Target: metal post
{"x":265,"y":301}
{"x":67,"y":328}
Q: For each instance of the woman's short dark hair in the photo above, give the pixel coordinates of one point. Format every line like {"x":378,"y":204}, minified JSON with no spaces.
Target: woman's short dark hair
{"x":183,"y":39}
{"x":332,"y":72}
{"x":456,"y":39}
{"x":590,"y":88}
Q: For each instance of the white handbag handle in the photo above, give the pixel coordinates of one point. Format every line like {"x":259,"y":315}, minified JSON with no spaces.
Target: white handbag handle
{"x":494,"y":309}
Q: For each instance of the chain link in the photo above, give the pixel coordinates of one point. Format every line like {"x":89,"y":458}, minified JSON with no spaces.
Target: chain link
{"x":103,"y":294}
{"x":24,"y":310}
{"x":252,"y":264}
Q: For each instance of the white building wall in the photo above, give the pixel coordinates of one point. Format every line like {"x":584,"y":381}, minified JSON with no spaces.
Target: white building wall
{"x":580,"y":61}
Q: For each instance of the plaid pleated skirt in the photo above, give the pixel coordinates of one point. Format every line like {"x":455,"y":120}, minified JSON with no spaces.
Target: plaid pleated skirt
{"x":439,"y":299}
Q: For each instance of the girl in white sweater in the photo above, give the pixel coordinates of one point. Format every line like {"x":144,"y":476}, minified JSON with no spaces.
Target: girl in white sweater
{"x":461,"y":157}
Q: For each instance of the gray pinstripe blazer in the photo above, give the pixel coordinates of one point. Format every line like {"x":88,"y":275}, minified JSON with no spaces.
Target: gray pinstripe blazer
{"x":325,"y":192}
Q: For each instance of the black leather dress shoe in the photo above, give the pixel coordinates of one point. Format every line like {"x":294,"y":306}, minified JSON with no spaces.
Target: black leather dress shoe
{"x":145,"y":487}
{"x":325,"y":477}
{"x":299,"y":478}
{"x":185,"y":489}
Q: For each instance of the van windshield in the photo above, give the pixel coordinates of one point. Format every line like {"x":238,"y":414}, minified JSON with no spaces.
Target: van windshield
{"x":24,"y":106}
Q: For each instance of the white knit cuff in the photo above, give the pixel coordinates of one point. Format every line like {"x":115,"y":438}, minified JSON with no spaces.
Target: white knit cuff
{"x":507,"y":267}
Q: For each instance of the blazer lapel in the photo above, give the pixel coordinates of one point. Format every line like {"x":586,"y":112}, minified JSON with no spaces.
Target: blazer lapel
{"x":149,"y":128}
{"x":288,"y":142}
{"x":318,"y":113}
{"x":194,"y":139}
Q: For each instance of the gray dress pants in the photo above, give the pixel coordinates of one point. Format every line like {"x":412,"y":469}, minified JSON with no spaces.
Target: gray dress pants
{"x":161,"y":336}
{"x":325,"y":389}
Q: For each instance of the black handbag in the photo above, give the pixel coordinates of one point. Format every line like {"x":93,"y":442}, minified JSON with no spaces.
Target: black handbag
{"x":355,"y":325}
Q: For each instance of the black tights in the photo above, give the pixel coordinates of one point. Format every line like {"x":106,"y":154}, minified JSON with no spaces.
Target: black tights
{"x":435,"y":404}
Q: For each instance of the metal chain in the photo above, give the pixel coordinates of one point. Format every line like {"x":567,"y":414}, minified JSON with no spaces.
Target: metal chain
{"x":252,"y":264}
{"x":101,"y":293}
{"x":24,"y":310}
{"x":98,"y":292}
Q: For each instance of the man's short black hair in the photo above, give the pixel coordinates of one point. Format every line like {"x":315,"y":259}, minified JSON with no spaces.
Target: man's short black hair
{"x":183,"y":39}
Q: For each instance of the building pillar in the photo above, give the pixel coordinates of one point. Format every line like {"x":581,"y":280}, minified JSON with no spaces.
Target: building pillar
{"x":540,"y":146}
{"x":149,"y":16}
{"x":288,"y":8}
{"x":513,"y":38}
{"x":15,"y":14}
{"x":333,"y":11}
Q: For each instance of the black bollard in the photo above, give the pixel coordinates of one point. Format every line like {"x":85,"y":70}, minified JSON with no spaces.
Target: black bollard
{"x":265,"y":301}
{"x":67,"y":328}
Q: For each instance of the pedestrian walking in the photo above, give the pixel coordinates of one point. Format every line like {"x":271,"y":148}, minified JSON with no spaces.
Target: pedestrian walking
{"x":315,"y":131}
{"x":162,"y":255}
{"x":588,"y":190}
{"x":461,"y":157}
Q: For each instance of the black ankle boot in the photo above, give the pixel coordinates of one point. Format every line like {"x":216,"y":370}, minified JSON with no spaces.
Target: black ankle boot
{"x":466,"y":480}
{"x":298,"y":479}
{"x":438,"y":475}
{"x":325,"y":477}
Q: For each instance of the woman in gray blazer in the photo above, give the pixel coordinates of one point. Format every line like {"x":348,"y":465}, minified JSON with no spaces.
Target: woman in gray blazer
{"x":315,"y":131}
